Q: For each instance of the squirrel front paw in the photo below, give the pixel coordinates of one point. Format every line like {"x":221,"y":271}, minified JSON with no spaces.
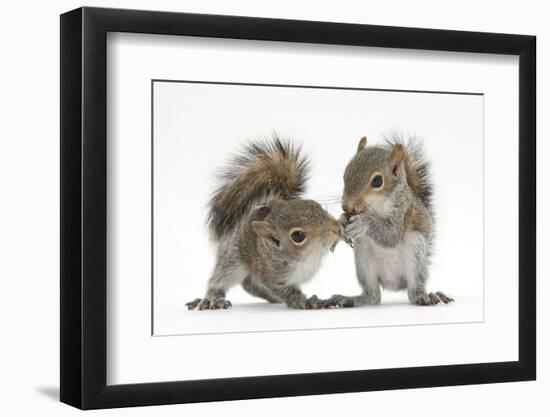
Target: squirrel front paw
{"x":338,"y":301}
{"x":209,"y":304}
{"x":356,"y":228}
{"x":344,"y":219}
{"x":304,"y":303}
{"x":314,"y":303}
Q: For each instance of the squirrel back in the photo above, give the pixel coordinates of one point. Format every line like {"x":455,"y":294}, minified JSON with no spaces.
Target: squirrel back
{"x":263,"y":170}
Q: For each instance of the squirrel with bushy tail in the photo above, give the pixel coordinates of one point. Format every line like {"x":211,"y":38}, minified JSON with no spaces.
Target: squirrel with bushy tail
{"x":389,"y":219}
{"x":268,"y":239}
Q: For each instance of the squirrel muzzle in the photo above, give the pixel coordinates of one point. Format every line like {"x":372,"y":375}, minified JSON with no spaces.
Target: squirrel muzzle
{"x":352,"y":207}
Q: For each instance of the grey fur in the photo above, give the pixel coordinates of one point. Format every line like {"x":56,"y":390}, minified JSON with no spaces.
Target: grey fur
{"x":254,"y":242}
{"x":255,"y":288}
{"x":262,"y":170}
{"x":392,"y":248}
{"x":415,"y":147}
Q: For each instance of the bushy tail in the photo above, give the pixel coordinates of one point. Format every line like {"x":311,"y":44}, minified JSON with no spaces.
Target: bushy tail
{"x":418,"y":169}
{"x":263,"y":170}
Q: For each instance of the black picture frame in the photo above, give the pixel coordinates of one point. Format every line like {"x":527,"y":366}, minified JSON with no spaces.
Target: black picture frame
{"x":84,"y":221}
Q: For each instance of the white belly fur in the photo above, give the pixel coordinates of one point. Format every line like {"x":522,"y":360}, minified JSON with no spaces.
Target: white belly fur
{"x":306,"y":269}
{"x":394,"y":268}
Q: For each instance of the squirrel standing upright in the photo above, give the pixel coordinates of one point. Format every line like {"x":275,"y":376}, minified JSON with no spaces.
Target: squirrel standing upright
{"x":388,"y":217}
{"x":268,"y":240}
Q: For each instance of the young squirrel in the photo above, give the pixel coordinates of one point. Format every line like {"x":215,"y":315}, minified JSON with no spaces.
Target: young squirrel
{"x":268,"y":240}
{"x":388,"y":217}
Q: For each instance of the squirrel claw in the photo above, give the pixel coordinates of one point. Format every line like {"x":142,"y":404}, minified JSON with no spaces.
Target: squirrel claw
{"x":206,"y":304}
{"x":339,"y":301}
{"x":314,"y":303}
{"x":221,"y":303}
{"x":303,"y":303}
{"x":432,"y":299}
{"x":191,"y":305}
{"x":445,"y":299}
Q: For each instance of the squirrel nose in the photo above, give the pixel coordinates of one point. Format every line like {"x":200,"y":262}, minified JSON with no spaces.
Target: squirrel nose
{"x":335,"y":228}
{"x":349,"y":208}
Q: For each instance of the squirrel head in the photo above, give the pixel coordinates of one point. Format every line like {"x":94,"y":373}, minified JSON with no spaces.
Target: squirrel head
{"x":296,"y":229}
{"x":372,"y":175}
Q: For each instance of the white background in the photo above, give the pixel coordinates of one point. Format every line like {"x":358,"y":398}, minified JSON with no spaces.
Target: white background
{"x":197,"y":127}
{"x":133,"y":356}
{"x":29,"y":169}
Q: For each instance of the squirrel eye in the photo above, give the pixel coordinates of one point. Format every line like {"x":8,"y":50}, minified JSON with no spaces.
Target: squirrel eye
{"x":298,"y":236}
{"x":377,"y":181}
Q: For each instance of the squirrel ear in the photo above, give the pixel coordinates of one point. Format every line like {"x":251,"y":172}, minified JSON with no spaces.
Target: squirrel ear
{"x":265,"y":230}
{"x":397,"y":156}
{"x":262,"y":212}
{"x":362,"y":144}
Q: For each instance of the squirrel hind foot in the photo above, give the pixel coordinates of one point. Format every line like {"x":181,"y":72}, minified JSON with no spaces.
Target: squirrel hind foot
{"x":207,"y":304}
{"x":339,"y":301}
{"x":445,"y":299}
{"x":191,"y":305}
{"x":432,"y":299}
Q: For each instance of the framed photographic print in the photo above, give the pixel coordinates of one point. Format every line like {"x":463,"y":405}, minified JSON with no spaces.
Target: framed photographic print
{"x":257,"y":207}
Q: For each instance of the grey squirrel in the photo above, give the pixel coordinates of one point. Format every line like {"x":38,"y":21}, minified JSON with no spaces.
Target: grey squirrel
{"x":268,"y":239}
{"x":388,"y":217}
